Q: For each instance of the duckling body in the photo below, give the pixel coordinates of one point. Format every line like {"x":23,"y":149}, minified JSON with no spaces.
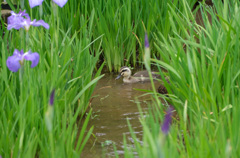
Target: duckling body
{"x":141,"y":76}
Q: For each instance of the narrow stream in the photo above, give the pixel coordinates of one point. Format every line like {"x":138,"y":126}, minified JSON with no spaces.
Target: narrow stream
{"x":113,"y":103}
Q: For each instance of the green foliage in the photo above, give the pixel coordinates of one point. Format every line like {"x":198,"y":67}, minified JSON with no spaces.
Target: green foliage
{"x":203,"y":68}
{"x":67,"y":61}
{"x":202,"y":63}
{"x":121,"y":22}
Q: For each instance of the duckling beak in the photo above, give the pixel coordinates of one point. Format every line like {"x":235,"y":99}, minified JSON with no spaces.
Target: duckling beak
{"x":118,"y":76}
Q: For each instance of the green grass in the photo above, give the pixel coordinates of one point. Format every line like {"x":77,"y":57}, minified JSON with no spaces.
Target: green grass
{"x":122,"y":23}
{"x":204,"y":86}
{"x":202,"y":63}
{"x":67,"y":64}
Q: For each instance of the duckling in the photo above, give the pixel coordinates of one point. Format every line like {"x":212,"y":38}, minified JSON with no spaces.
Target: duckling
{"x":140,"y":76}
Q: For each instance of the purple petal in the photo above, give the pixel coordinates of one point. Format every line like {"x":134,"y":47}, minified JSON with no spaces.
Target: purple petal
{"x":34,"y":3}
{"x":21,"y":52}
{"x":52,"y":97}
{"x":16,"y":26}
{"x":20,"y":14}
{"x":26,"y":23}
{"x":40,"y":23}
{"x":33,"y":57}
{"x":60,"y":3}
{"x":146,"y":41}
{"x":167,"y":121}
{"x":16,"y":21}
{"x":23,"y":13}
{"x":17,"y":52}
{"x":13,"y":63}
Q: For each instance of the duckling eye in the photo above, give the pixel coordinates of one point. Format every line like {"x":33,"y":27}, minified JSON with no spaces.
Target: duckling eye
{"x":124,"y":70}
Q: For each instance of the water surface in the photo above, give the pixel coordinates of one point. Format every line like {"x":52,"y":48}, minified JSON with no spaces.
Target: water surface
{"x":114,"y":103}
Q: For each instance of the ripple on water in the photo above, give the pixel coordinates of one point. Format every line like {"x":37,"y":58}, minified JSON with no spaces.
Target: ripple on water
{"x":113,"y":105}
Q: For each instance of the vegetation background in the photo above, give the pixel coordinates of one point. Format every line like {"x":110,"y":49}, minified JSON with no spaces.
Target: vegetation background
{"x":202,"y":63}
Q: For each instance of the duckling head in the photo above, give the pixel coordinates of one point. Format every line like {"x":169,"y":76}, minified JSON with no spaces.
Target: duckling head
{"x":125,"y":72}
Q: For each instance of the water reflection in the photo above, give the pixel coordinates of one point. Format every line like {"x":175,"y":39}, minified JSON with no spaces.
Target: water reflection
{"x":112,"y":105}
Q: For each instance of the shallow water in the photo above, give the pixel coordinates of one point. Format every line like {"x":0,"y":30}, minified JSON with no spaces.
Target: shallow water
{"x":112,"y":104}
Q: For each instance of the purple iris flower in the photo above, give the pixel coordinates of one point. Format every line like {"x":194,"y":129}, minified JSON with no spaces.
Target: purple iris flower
{"x":167,"y":121}
{"x":52,"y":97}
{"x":34,"y":3}
{"x":22,"y":20}
{"x":15,"y":61}
{"x":146,"y":41}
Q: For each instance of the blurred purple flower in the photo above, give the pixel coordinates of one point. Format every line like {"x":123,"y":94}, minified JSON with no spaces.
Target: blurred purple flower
{"x":34,"y":3}
{"x":22,"y":20}
{"x":52,"y":97}
{"x":60,"y":3}
{"x":146,"y":41}
{"x":15,"y":61}
{"x":20,"y":14}
{"x":15,"y":19}
{"x":167,"y":121}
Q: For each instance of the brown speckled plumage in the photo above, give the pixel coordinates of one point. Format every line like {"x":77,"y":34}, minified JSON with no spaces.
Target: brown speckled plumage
{"x":141,"y":76}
